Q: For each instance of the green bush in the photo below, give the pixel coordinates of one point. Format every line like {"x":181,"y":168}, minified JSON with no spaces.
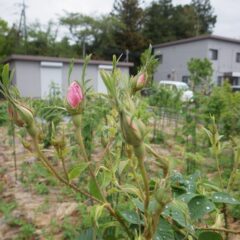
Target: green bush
{"x":225,"y":106}
{"x":3,"y":113}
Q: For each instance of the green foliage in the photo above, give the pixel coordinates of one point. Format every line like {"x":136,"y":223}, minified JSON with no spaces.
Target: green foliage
{"x":7,"y":207}
{"x":165,"y":22}
{"x":27,"y":231}
{"x":209,"y":235}
{"x":41,"y":188}
{"x":125,"y":188}
{"x":206,"y":19}
{"x":200,"y":75}
{"x":151,"y":65}
{"x":199,"y":206}
{"x":3,"y":113}
{"x":92,"y":119}
{"x":224,"y":105}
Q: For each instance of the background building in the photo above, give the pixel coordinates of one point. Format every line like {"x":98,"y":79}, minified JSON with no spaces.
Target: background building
{"x":35,"y":74}
{"x":224,"y":53}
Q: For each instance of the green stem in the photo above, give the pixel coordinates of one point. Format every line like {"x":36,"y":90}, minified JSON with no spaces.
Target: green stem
{"x":140,"y":154}
{"x":218,"y":169}
{"x":63,"y":165}
{"x":163,"y":161}
{"x":51,"y":169}
{"x":220,"y":230}
{"x":14,"y":149}
{"x":225,"y":219}
{"x":85,"y":156}
{"x":234,"y":171}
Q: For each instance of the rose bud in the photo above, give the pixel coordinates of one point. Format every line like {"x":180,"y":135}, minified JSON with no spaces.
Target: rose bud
{"x":14,"y":116}
{"x":138,"y":82}
{"x":133,"y":129}
{"x":141,"y":81}
{"x":74,"y":95}
{"x":25,"y":114}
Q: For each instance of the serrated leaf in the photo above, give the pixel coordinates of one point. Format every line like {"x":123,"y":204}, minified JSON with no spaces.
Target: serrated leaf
{"x":222,"y":197}
{"x":153,"y":205}
{"x":178,"y":211}
{"x":199,"y":206}
{"x":77,"y":170}
{"x":210,"y":235}
{"x":131,"y":189}
{"x":131,"y":217}
{"x":187,"y":197}
{"x":164,"y":231}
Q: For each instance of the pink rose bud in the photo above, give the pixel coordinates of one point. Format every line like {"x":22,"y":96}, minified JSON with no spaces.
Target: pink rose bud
{"x":141,"y":81}
{"x":74,"y":95}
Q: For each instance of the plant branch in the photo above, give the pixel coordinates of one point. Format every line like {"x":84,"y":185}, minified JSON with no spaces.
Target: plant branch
{"x":51,"y":169}
{"x":220,"y":230}
{"x":163,"y":161}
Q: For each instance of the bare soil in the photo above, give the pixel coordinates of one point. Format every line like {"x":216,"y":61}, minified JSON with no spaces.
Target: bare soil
{"x":47,"y":213}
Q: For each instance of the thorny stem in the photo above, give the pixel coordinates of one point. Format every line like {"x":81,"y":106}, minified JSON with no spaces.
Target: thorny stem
{"x":51,"y":169}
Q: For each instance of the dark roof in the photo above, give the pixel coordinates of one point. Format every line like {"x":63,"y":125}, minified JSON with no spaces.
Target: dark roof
{"x":199,"y":38}
{"x":16,"y":57}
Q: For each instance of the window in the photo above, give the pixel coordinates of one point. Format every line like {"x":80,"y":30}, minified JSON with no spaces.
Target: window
{"x":238,"y":57}
{"x":213,"y":54}
{"x":219,"y":80}
{"x":159,"y":57}
{"x":185,"y":79}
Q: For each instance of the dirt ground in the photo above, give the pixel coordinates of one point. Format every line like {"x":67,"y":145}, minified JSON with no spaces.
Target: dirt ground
{"x":45,"y":213}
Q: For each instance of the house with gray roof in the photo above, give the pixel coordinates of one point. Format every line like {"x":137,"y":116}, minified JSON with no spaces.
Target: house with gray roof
{"x":34,"y":75}
{"x":224,"y":53}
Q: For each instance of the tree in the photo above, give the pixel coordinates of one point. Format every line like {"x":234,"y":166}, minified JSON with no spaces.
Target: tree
{"x":92,"y":34}
{"x":42,"y":41}
{"x":206,"y":19}
{"x":184,"y":22}
{"x":3,"y":33}
{"x":128,"y":35}
{"x":200,"y":74}
{"x":158,"y":22}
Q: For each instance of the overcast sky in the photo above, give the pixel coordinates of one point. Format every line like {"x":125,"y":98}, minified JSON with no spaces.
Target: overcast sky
{"x":227,"y":11}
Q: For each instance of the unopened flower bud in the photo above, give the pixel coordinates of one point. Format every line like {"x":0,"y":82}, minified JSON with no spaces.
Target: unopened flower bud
{"x":138,"y":82}
{"x":141,"y":81}
{"x":25,"y":114}
{"x":133,"y":129}
{"x":14,"y":116}
{"x":59,"y":142}
{"x":74,"y":98}
{"x":163,"y":196}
